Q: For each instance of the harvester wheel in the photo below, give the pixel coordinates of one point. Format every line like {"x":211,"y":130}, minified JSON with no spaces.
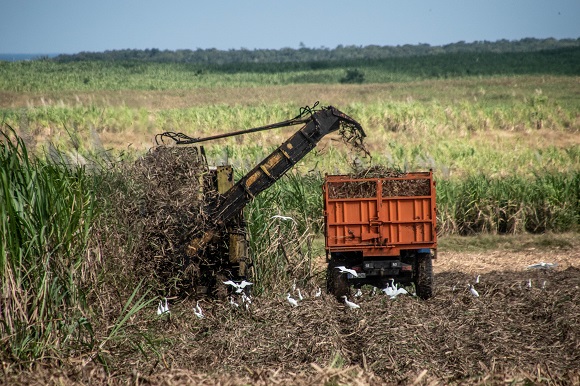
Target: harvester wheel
{"x":424,"y":276}
{"x":336,"y":282}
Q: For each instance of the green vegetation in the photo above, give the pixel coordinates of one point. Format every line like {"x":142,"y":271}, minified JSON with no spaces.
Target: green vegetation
{"x":46,"y":216}
{"x":130,"y":72}
{"x":499,"y":129}
{"x":318,"y":57}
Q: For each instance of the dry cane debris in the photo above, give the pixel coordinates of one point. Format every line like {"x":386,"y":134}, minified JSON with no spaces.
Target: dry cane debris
{"x":510,"y":334}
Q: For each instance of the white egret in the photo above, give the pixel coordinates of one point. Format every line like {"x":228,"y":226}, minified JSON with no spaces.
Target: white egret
{"x":244,"y":284}
{"x":542,"y":265}
{"x":238,"y":286}
{"x":529,"y":285}
{"x":160,"y":308}
{"x":343,"y":269}
{"x":374,"y":291}
{"x":350,"y":304}
{"x":197,"y":311}
{"x":473,"y":291}
{"x":391,"y":290}
{"x":246,"y":299}
{"x":233,"y":303}
{"x":299,"y":295}
{"x":291,"y":300}
{"x":163,"y":307}
{"x":283,"y":218}
{"x":477,"y":280}
{"x":544,"y":284}
{"x":358,"y":293}
{"x":401,"y":291}
{"x":318,"y":293}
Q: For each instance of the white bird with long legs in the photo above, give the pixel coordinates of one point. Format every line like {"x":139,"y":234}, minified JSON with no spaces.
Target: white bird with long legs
{"x":350,"y":304}
{"x":292,"y":301}
{"x":391,"y":290}
{"x":473,"y":291}
{"x":165,"y":306}
{"x":300,"y":297}
{"x":160,"y":308}
{"x":197,"y":311}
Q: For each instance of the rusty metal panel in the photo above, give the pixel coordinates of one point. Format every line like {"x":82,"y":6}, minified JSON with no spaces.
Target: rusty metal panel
{"x":365,"y":215}
{"x":225,"y":178}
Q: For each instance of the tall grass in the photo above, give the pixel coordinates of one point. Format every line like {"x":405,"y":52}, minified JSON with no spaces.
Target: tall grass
{"x":46,"y":213}
{"x":60,"y":296}
{"x":282,"y":250}
{"x":509,"y":205}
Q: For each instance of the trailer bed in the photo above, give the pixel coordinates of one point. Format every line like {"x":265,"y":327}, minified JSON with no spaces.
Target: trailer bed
{"x":380,"y":216}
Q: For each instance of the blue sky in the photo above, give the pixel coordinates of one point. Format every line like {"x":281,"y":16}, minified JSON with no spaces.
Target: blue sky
{"x":67,"y":26}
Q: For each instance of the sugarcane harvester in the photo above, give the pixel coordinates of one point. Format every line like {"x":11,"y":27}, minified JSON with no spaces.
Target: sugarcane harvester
{"x":225,"y":230}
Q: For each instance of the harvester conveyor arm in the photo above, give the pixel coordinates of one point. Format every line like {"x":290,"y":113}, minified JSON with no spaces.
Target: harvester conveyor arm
{"x":265,"y":174}
{"x":280,"y":161}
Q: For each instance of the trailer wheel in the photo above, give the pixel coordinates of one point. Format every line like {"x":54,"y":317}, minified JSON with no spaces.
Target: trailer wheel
{"x":424,"y":276}
{"x":336,"y":282}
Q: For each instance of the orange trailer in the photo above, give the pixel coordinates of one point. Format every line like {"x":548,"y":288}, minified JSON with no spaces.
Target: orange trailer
{"x":381,"y":227}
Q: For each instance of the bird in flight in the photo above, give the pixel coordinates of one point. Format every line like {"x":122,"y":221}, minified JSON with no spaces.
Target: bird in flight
{"x":343,"y":269}
{"x":238,"y":286}
{"x":283,"y":218}
{"x":542,"y":265}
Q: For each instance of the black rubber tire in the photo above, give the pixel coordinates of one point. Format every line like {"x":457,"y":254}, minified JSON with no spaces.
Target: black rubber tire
{"x":336,"y":282}
{"x":424,"y":276}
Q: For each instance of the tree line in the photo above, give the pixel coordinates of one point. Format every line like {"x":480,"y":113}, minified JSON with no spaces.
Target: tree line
{"x":304,"y":54}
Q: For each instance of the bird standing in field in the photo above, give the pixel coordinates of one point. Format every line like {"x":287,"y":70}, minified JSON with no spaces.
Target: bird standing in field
{"x":233,"y":303}
{"x":291,"y":300}
{"x":343,"y":269}
{"x":318,"y":293}
{"x":350,"y":304}
{"x":197,"y":311}
{"x":390,"y":290}
{"x":160,"y":308}
{"x":300,"y":297}
{"x":358,"y":293}
{"x":246,"y":299}
{"x":473,"y":291}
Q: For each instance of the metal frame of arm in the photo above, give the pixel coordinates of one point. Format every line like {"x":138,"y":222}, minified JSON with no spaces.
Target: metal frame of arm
{"x":273,"y":167}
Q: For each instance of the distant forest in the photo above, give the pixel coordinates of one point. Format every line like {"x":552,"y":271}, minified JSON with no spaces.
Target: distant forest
{"x":311,"y":55}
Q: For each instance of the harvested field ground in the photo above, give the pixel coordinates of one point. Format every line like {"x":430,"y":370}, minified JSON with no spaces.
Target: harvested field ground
{"x":510,"y":334}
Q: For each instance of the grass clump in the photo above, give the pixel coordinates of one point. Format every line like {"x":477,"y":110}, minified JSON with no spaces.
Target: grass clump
{"x":46,"y":214}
